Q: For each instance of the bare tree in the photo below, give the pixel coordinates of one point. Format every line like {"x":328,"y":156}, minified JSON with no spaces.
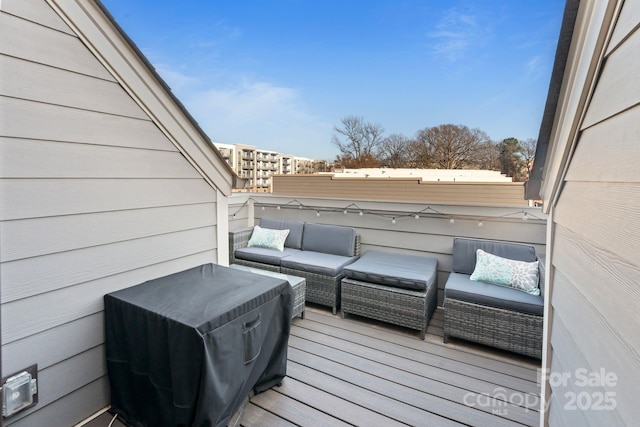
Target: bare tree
{"x":488,"y":156}
{"x":449,"y":146}
{"x":528,"y":153}
{"x":357,"y":140}
{"x":394,"y":151}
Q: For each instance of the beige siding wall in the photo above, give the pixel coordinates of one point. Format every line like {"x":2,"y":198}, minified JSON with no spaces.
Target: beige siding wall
{"x":430,"y":236}
{"x":504,"y":194}
{"x":596,"y":251}
{"x":94,"y":199}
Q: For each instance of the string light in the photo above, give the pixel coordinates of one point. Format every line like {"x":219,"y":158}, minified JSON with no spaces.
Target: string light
{"x":431,"y":212}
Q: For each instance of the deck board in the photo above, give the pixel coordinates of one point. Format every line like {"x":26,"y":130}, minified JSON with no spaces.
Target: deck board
{"x":357,"y":372}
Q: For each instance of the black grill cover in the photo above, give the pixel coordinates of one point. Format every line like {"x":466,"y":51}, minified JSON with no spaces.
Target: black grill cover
{"x":186,"y":349}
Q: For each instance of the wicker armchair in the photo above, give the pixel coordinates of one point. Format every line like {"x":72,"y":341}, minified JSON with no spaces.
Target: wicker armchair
{"x":514,"y":325}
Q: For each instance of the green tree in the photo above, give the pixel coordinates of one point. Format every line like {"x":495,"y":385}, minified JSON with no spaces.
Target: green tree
{"x":511,"y":158}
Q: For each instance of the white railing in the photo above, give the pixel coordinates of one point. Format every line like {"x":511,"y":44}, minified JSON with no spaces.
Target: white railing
{"x":412,"y":228}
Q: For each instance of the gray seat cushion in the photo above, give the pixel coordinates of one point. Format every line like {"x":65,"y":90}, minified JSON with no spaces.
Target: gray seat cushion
{"x":294,"y":239}
{"x":329,"y":239}
{"x":401,"y":271}
{"x":264,"y":255}
{"x":317,"y":262}
{"x":464,"y":252}
{"x":460,"y":287}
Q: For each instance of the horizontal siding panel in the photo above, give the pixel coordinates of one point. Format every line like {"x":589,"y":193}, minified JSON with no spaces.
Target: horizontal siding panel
{"x":29,"y":316}
{"x":74,"y":408}
{"x":397,"y":189}
{"x":590,"y":210}
{"x":37,"y":11}
{"x":65,"y":124}
{"x":36,"y":82}
{"x":609,"y":151}
{"x":61,"y":343}
{"x":628,"y":20}
{"x":590,"y":330}
{"x":43,"y":236}
{"x":27,"y":198}
{"x":59,"y":380}
{"x":47,"y":46}
{"x":43,"y":159}
{"x":32,"y":276}
{"x":592,"y":267}
{"x":617,"y":88}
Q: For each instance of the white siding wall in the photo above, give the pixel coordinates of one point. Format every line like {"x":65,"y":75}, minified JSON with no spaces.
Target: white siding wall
{"x":94,"y":198}
{"x":596,"y":244}
{"x":424,"y":236}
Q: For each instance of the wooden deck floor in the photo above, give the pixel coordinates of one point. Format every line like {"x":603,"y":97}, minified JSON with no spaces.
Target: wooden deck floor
{"x":356,"y":372}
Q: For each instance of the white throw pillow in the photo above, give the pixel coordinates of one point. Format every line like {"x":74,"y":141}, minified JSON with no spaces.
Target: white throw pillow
{"x":493,"y":269}
{"x":268,"y":238}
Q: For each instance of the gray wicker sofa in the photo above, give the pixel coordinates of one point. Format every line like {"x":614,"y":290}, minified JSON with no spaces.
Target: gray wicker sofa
{"x":317,"y":252}
{"x":489,"y":314}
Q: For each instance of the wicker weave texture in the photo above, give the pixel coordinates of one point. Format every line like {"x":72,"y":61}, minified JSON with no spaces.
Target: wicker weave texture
{"x":238,"y":239}
{"x":321,"y":289}
{"x":411,"y":309}
{"x":509,"y":330}
{"x":300,"y":297}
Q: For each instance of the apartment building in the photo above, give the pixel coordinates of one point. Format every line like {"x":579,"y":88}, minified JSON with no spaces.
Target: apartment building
{"x":257,"y":166}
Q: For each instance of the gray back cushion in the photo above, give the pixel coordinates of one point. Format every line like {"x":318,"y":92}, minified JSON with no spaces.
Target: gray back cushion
{"x":329,"y":239}
{"x":294,"y":239}
{"x":464,"y":252}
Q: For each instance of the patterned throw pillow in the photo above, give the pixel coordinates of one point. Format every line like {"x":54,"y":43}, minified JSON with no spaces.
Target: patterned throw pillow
{"x":506,"y":272}
{"x":268,"y":238}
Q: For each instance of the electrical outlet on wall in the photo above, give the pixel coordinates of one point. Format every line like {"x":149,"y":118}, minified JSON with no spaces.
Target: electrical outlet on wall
{"x":19,"y":391}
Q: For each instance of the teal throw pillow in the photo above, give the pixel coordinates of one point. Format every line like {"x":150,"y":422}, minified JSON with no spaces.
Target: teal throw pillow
{"x":506,"y":272}
{"x":268,"y":238}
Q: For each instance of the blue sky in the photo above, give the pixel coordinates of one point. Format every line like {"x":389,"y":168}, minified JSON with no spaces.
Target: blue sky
{"x":281,"y":74}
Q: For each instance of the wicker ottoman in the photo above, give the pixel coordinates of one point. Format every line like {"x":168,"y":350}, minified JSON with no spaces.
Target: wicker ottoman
{"x":393,"y":288}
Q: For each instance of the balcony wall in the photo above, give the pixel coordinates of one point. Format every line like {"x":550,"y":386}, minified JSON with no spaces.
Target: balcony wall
{"x":431,"y":234}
